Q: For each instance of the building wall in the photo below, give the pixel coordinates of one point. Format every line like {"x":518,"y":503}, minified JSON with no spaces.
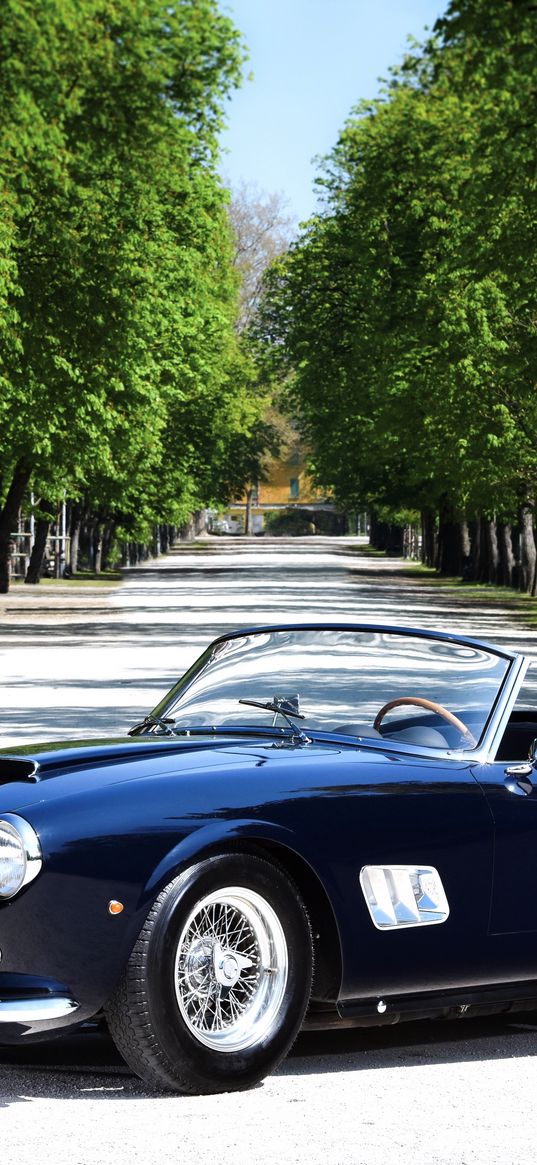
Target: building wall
{"x":288,"y":484}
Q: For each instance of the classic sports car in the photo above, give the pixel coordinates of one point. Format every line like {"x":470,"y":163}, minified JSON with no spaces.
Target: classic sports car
{"x":318,"y":825}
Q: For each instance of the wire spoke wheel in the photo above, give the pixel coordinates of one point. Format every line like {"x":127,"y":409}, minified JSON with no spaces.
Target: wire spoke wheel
{"x":231,"y":969}
{"x":218,"y":981}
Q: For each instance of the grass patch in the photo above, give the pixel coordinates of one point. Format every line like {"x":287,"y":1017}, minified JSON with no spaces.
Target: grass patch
{"x":362,"y":551}
{"x":472,"y":589}
{"x":473,"y":592}
{"x":86,"y":578}
{"x":89,"y":576}
{"x":525,"y":606}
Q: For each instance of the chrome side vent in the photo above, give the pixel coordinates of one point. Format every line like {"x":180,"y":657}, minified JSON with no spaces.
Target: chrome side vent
{"x":398,"y":896}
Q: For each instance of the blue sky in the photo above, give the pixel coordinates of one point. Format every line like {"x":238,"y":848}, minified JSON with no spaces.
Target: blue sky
{"x":312,"y":60}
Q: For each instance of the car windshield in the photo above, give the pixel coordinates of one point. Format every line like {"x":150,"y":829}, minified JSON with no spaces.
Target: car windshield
{"x":338,"y":679}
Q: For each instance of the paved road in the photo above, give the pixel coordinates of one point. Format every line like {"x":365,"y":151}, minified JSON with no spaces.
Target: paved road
{"x":90,"y":662}
{"x":84,"y":661}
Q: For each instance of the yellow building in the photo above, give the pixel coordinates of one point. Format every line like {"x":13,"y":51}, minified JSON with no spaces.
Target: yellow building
{"x":288,"y":487}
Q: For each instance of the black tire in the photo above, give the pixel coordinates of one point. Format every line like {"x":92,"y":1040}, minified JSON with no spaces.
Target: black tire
{"x":197,"y":1009}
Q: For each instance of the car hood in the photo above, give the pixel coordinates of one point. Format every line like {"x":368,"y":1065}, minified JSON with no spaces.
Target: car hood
{"x":33,"y":773}
{"x":45,"y":759}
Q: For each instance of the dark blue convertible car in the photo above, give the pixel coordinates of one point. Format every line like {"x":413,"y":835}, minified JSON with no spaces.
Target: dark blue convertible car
{"x":319,"y":825}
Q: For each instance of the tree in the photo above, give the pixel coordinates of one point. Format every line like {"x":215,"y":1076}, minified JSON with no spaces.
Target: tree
{"x":407,"y":311}
{"x":111,"y":259}
{"x":262,"y":229}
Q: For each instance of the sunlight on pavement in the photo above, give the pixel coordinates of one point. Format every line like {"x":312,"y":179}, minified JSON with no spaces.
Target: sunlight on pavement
{"x":89,"y":665}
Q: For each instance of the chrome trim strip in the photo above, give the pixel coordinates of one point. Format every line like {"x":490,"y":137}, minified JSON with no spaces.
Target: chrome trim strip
{"x":36,"y":1010}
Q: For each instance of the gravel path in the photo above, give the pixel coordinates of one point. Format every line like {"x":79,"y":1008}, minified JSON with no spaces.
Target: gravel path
{"x":79,"y":661}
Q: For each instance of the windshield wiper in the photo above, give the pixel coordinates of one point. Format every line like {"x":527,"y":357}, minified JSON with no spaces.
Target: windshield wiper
{"x":285,"y":707}
{"x":165,"y":723}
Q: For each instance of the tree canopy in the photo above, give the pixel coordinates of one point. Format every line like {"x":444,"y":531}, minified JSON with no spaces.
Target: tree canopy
{"x":122,"y":375}
{"x":406,"y":313}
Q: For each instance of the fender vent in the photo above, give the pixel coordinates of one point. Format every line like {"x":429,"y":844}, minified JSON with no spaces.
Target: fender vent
{"x":404,"y":896}
{"x":14,"y":768}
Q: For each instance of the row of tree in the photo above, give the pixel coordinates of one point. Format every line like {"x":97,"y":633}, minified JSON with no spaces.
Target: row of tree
{"x":125,"y":383}
{"x":405,"y":316}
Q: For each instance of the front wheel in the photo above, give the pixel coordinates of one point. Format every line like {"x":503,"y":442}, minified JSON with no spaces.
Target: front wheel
{"x":218,"y":982}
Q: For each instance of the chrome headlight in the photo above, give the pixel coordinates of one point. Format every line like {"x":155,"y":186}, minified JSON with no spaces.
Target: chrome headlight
{"x":20,"y":854}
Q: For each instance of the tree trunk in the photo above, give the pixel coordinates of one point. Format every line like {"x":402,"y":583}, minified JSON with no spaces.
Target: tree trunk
{"x":428,"y":537}
{"x":466,"y":551}
{"x":528,"y":550}
{"x":108,"y":541}
{"x":42,"y":528}
{"x":8,"y":517}
{"x":449,"y":545}
{"x":493,"y":551}
{"x":248,"y":515}
{"x":98,"y":547}
{"x":373,"y":527}
{"x":395,"y":539}
{"x":482,"y":565}
{"x":74,"y":530}
{"x":378,"y":533}
{"x":164,"y":538}
{"x":475,"y":560}
{"x":507,"y":557}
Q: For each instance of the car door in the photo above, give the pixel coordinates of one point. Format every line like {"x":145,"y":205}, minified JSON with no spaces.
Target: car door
{"x":509,"y":783}
{"x":397,"y":812}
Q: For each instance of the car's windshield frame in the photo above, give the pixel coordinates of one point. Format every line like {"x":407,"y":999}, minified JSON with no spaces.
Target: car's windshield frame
{"x":500,"y":704}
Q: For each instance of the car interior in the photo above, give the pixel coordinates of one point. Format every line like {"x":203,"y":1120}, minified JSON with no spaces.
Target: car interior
{"x":430,"y":731}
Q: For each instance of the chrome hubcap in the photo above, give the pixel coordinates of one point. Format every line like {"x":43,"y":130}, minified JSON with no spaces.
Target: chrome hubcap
{"x":228,"y":966}
{"x":231,"y":969}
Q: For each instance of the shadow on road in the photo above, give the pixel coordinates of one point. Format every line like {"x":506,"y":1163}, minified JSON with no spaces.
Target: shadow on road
{"x":87,"y":1066}
{"x":400,"y":1045}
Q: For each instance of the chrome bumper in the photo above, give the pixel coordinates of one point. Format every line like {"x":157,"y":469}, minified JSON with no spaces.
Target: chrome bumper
{"x":36,"y":1010}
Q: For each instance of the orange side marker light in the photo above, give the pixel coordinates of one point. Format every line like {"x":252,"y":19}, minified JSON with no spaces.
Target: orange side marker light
{"x":115,"y":907}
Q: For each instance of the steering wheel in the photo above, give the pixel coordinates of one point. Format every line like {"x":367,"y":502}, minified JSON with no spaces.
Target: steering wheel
{"x":431,"y":707}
